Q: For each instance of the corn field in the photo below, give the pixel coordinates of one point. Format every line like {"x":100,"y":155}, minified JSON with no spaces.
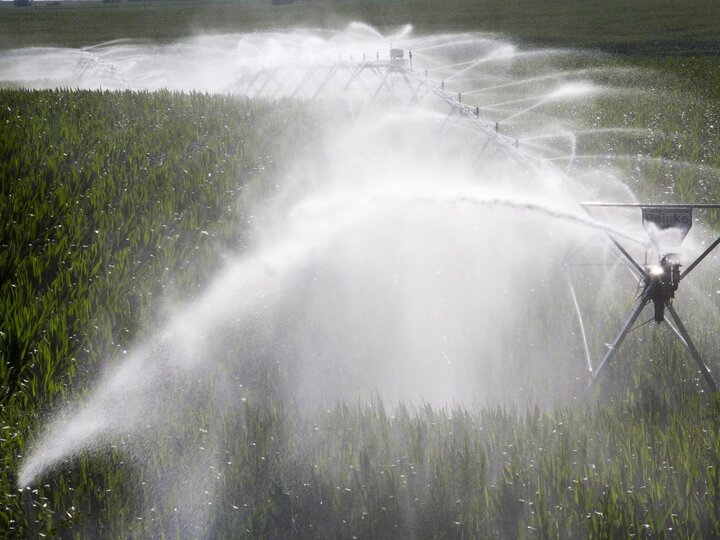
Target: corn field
{"x":113,"y":200}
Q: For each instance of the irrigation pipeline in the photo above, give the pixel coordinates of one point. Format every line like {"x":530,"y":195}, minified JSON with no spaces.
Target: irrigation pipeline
{"x":509,"y":145}
{"x":312,"y":81}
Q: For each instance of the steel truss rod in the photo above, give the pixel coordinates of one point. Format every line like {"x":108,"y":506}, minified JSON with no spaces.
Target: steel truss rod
{"x":675,"y":331}
{"x":279,"y":86}
{"x":359,"y":76}
{"x":690,"y":346}
{"x":417,"y":96}
{"x":481,"y":153}
{"x":446,"y":122}
{"x":308,"y":75}
{"x":251,"y":85}
{"x":330,"y":74}
{"x":639,"y":269}
{"x":268,"y":78}
{"x":355,"y":74}
{"x":700,"y":258}
{"x":381,"y":86}
{"x":642,"y":302}
{"x":586,"y":347}
{"x":634,"y":264}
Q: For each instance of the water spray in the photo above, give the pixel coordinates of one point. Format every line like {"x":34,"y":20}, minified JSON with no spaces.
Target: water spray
{"x":373,"y":275}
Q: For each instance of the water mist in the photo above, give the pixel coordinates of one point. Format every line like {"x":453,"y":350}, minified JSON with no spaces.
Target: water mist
{"x":403,"y":262}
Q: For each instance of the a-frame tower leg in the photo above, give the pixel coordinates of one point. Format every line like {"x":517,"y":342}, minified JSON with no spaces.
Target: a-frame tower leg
{"x":618,"y":341}
{"x":690,"y":346}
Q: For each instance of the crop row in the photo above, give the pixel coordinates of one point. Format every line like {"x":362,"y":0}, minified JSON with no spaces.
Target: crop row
{"x":109,"y":200}
{"x":641,"y":467}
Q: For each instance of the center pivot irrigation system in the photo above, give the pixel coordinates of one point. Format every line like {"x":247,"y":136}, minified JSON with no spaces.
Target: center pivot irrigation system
{"x":374,"y":79}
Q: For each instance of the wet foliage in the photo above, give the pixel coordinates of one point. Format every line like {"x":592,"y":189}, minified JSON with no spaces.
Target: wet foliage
{"x":109,"y":201}
{"x":112,"y":201}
